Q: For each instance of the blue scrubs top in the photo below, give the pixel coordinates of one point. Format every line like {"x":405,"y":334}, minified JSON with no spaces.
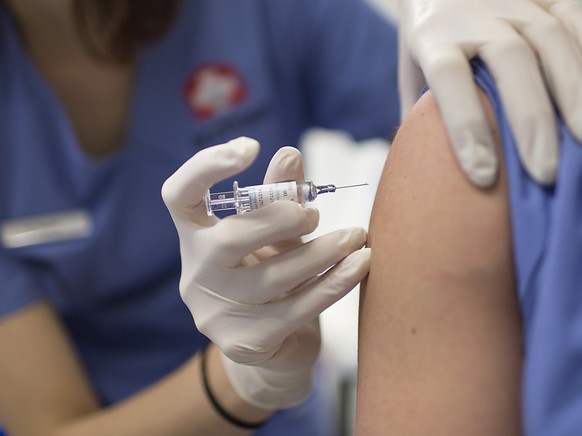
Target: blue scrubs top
{"x":261,"y":68}
{"x":547,"y":244}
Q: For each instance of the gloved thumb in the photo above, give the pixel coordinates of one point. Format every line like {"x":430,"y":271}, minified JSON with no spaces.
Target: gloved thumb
{"x":285,"y":165}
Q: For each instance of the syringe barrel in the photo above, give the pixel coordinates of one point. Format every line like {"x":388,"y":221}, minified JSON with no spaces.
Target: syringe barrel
{"x":255,"y":197}
{"x":244,"y":199}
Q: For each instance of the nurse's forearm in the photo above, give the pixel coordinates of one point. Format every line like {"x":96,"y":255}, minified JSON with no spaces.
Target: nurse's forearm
{"x":177,"y":405}
{"x":45,"y":391}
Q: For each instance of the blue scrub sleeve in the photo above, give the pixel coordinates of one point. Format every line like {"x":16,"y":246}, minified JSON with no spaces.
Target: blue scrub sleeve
{"x":20,"y":285}
{"x":547,"y":246}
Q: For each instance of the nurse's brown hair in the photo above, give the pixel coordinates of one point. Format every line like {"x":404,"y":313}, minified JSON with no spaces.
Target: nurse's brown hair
{"x":114,"y":30}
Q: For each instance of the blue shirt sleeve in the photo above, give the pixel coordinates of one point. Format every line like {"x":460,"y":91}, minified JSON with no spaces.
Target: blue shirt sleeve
{"x":20,"y":285}
{"x":547,"y":249}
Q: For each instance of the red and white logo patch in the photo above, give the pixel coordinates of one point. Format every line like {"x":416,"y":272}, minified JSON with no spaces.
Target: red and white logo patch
{"x":214,"y":89}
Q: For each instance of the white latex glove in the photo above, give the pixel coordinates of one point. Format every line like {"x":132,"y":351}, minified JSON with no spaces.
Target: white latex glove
{"x":530,"y":46}
{"x":253,"y":287}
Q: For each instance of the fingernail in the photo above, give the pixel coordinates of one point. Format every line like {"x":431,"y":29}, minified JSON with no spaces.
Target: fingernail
{"x":484,"y":171}
{"x":479,"y":163}
{"x":476,"y":153}
{"x":313,"y":217}
{"x":543,"y":160}
{"x":359,"y":258}
{"x":355,"y":235}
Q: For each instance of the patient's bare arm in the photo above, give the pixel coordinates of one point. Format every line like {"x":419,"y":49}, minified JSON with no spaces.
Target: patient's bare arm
{"x":440,"y":345}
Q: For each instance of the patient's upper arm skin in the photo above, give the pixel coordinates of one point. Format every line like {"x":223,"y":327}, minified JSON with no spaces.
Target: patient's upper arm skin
{"x":440,"y":344}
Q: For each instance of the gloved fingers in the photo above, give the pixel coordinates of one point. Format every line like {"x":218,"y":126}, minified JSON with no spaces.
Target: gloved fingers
{"x":286,"y":271}
{"x":184,"y":191}
{"x":265,"y":253}
{"x":308,"y":302}
{"x":450,"y":77}
{"x":286,"y":164}
{"x":256,"y":331}
{"x":557,"y":39}
{"x":569,"y":12}
{"x":410,"y":80}
{"x":412,"y":38}
{"x":521,"y":86}
{"x":303,"y":345}
{"x":235,"y":237}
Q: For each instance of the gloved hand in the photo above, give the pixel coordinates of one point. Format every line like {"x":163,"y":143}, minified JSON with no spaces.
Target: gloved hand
{"x":528,"y":45}
{"x":253,"y":287}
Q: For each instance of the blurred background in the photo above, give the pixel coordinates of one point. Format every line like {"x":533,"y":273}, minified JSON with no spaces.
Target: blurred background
{"x":350,"y":163}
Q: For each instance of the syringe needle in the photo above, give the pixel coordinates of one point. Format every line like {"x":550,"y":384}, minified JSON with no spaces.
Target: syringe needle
{"x":351,"y":186}
{"x":324,"y":189}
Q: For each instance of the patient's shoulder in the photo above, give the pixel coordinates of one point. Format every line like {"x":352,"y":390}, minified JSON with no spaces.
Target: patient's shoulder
{"x":423,"y":188}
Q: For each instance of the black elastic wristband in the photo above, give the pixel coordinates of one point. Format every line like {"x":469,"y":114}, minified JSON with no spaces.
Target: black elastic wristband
{"x":214,"y":402}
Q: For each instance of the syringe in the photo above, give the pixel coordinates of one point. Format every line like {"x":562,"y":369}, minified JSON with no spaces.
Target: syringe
{"x":253,"y":197}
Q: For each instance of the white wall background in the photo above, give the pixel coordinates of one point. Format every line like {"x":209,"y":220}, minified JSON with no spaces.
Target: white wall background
{"x":333,"y":157}
{"x":387,"y":7}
